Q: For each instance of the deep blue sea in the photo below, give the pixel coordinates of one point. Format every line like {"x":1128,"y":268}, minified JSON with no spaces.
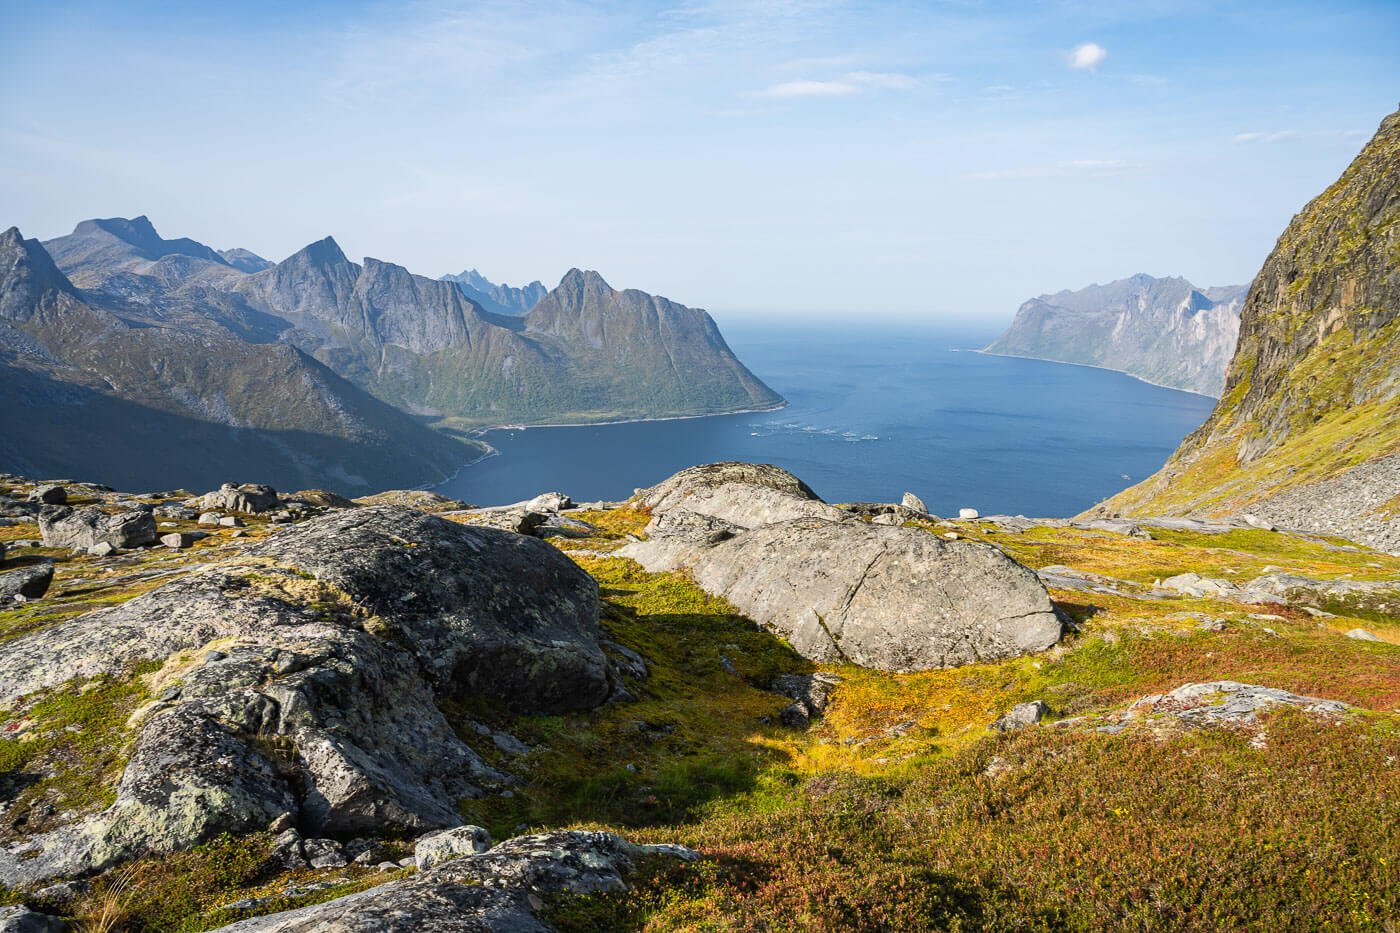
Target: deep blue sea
{"x":876,"y":409}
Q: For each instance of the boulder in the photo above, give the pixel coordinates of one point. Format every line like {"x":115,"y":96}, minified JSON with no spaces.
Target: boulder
{"x":561,"y":526}
{"x":80,"y":529}
{"x":102,"y":549}
{"x":335,"y":641}
{"x":550,"y":502}
{"x":450,"y":843}
{"x":495,"y":890}
{"x":746,"y":495}
{"x":810,"y":692}
{"x":177,"y":540}
{"x":1022,"y":715}
{"x":250,"y":498}
{"x":967,"y":513}
{"x":911,"y":501}
{"x":890,"y":598}
{"x":1360,"y":634}
{"x":50,"y":495}
{"x":20,"y":919}
{"x":231,"y":521}
{"x":31,"y":582}
{"x":210,"y":518}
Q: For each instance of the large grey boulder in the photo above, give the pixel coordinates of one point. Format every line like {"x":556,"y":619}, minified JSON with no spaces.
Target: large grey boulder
{"x":878,"y":596}
{"x":309,"y":674}
{"x":497,"y":890}
{"x":31,"y":582}
{"x":87,"y":527}
{"x":250,"y":498}
{"x":746,"y":495}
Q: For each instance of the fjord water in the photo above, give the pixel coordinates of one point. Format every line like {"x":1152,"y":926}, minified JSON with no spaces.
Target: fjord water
{"x":876,"y":409}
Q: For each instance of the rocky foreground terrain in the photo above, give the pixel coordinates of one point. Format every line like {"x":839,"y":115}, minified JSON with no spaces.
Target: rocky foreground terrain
{"x":723,"y":704}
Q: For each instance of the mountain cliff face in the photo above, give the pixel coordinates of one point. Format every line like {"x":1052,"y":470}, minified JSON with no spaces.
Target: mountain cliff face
{"x":501,"y":299}
{"x":174,"y":397}
{"x":1307,"y":432}
{"x":1165,"y":331}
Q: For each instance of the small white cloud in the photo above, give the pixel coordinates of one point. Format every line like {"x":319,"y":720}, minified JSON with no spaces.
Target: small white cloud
{"x":853,"y":82}
{"x":1087,"y":56}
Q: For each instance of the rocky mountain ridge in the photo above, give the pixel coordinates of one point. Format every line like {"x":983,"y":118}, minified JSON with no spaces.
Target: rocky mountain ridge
{"x":1165,"y":331}
{"x":1308,"y":429}
{"x":500,"y":299}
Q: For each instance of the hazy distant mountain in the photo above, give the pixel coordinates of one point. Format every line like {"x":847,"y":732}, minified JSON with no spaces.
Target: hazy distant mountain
{"x":91,"y":387}
{"x":245,"y":260}
{"x":1165,"y":331}
{"x":501,"y":299}
{"x":184,"y":364}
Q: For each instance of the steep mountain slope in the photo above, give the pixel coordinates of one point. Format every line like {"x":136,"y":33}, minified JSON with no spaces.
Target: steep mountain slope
{"x":501,"y":299}
{"x":1164,"y":331}
{"x":1308,"y":430}
{"x":175,"y":398}
{"x":422,"y":345}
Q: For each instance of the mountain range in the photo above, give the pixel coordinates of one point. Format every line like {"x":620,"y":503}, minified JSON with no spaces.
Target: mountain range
{"x":151,"y":361}
{"x":501,"y":299}
{"x":1307,"y":432}
{"x":1165,"y":331}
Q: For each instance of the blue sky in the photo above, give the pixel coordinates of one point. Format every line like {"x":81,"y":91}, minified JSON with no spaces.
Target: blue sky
{"x":868,"y":158}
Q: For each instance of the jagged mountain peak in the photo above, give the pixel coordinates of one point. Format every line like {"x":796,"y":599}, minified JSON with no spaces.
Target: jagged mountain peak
{"x":27,"y":275}
{"x":138,"y":234}
{"x":323,"y":253}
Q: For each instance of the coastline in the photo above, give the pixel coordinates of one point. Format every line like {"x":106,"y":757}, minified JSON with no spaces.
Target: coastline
{"x":477,"y":432}
{"x":1109,"y":369}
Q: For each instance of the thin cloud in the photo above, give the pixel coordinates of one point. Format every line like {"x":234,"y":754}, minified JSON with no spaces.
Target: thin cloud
{"x":1284,"y":136}
{"x":1087,"y":56}
{"x":1084,"y":168}
{"x":854,"y":82}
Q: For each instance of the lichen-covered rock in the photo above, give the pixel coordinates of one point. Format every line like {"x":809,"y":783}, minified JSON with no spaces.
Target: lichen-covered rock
{"x":308,"y":678}
{"x":743,"y":494}
{"x":450,"y":843}
{"x":20,"y":919}
{"x":50,"y":494}
{"x":250,"y":498}
{"x":878,"y":596}
{"x":1021,"y":715}
{"x":83,"y":528}
{"x":31,"y":581}
{"x":497,"y":890}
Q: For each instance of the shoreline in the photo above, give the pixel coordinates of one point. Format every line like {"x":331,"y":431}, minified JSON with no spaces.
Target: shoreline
{"x":1107,"y":369}
{"x":477,"y":432}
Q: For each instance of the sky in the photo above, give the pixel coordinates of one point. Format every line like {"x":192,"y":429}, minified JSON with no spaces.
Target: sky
{"x":922,"y":159}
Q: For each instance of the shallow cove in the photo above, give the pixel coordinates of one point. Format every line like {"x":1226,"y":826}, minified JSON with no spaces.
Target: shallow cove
{"x":876,"y":410}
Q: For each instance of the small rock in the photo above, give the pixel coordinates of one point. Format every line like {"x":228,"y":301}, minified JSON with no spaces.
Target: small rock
{"x":509,"y":743}
{"x":20,"y":919}
{"x":287,"y":850}
{"x":1360,"y":634}
{"x":102,"y":549}
{"x":549,"y":502}
{"x":210,"y":518}
{"x":324,"y":853}
{"x":911,"y":501}
{"x":231,"y":521}
{"x":438,"y":847}
{"x":1255,"y":521}
{"x":283,"y":822}
{"x":250,"y":497}
{"x":50,"y":495}
{"x":409,"y":862}
{"x":795,"y":716}
{"x":968,"y":513}
{"x":177,"y":540}
{"x":30,"y":582}
{"x":1022,"y":715}
{"x":387,"y":866}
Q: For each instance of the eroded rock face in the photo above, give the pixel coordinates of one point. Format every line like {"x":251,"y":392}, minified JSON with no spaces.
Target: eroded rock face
{"x":307,"y":675}
{"x":88,"y":527}
{"x":879,"y":596}
{"x":497,"y":890}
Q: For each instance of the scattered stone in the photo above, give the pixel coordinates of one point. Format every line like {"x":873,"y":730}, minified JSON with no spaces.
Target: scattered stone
{"x":175,"y":511}
{"x":210,"y":518}
{"x":177,"y":540}
{"x":508,"y":743}
{"x":795,"y":716}
{"x":1360,"y":634}
{"x":550,"y":502}
{"x":31,"y":582}
{"x":287,"y":850}
{"x":231,"y":521}
{"x":967,"y":513}
{"x":102,"y":549}
{"x":499,"y":889}
{"x":560,"y":526}
{"x":810,"y":691}
{"x":911,"y":501}
{"x":439,"y":847}
{"x":1255,"y":521}
{"x":251,"y":498}
{"x":50,"y":495}
{"x":1022,"y":715}
{"x":324,"y":853}
{"x":63,"y":527}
